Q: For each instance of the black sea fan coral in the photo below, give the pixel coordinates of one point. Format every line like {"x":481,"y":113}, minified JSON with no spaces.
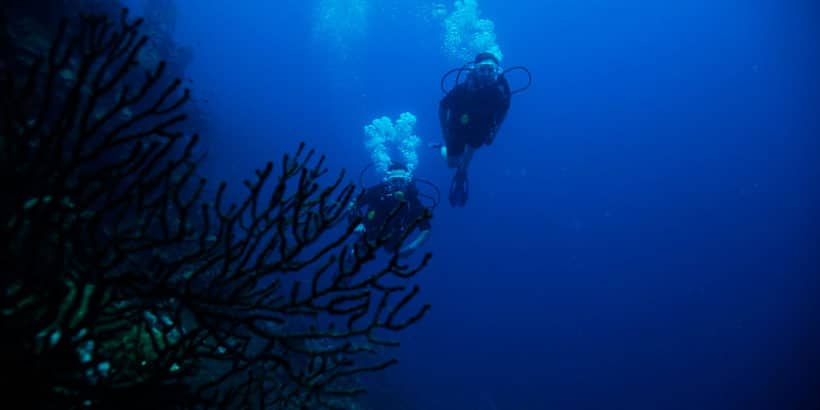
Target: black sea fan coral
{"x":124,"y":287}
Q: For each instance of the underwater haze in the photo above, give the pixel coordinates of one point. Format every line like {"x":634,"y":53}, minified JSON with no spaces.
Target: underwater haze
{"x":642,"y":234}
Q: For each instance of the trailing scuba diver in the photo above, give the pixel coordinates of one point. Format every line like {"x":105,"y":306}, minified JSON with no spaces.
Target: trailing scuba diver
{"x":470,"y":115}
{"x":391,"y":208}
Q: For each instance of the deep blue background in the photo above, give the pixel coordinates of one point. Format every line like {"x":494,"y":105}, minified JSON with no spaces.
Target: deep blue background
{"x":642,"y":235}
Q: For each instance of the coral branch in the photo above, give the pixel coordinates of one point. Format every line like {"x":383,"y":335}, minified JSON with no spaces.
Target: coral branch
{"x":123,"y":284}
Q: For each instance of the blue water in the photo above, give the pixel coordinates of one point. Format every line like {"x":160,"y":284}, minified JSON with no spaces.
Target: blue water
{"x":642,"y":234}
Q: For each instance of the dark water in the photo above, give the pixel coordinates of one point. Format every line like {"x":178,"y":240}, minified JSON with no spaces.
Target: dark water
{"x":643,"y":233}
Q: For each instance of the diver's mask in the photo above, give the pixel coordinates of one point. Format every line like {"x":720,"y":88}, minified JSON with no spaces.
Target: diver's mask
{"x":397,"y":179}
{"x":485,"y":72}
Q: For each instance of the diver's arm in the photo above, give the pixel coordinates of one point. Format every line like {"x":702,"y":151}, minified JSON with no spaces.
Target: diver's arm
{"x":502,"y":106}
{"x":356,"y":205}
{"x":417,"y":242}
{"x":506,"y":93}
{"x":352,"y":210}
{"x":447,"y":105}
{"x":499,"y":116}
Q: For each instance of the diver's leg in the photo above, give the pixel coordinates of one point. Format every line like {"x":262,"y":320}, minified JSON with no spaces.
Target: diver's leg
{"x":460,"y":187}
{"x":466,"y":158}
{"x":453,"y":161}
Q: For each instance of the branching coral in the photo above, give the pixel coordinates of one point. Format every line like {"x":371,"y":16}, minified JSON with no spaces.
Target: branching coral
{"x":123,"y":285}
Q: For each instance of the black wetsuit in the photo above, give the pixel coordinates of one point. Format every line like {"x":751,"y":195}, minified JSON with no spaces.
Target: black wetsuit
{"x":377,"y":204}
{"x":472,"y":115}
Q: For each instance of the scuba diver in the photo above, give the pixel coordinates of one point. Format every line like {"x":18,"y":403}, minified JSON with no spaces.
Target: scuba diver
{"x":470,"y":115}
{"x":398,"y":194}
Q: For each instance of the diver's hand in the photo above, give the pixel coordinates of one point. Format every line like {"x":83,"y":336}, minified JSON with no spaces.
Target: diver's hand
{"x":440,"y":147}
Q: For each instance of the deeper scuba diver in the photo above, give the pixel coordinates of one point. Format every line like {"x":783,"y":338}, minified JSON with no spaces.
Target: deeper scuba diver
{"x":396,"y":193}
{"x":471,"y":114}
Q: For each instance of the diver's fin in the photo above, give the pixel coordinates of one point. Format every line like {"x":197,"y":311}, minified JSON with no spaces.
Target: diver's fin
{"x":459,"y":189}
